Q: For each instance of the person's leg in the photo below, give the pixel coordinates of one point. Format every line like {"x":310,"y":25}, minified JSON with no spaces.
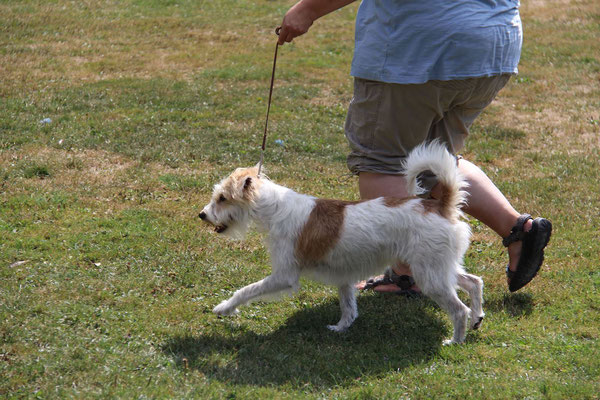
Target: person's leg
{"x":487,"y":204}
{"x":373,"y":185}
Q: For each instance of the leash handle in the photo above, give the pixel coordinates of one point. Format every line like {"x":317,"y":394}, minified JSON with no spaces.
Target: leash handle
{"x":264,"y":141}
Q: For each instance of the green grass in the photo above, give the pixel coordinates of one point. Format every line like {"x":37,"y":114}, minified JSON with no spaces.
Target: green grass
{"x":107,"y":279}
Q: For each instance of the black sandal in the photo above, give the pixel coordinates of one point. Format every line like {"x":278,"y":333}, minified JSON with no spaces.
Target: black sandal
{"x":404,"y":282}
{"x":532,"y":254}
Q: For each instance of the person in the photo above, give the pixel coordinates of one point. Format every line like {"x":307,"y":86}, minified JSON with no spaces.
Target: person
{"x":424,"y":70}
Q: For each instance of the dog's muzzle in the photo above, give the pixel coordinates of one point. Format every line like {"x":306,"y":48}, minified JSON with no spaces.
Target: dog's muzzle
{"x":218,"y":228}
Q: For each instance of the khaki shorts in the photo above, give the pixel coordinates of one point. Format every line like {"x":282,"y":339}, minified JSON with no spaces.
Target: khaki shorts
{"x":386,"y":120}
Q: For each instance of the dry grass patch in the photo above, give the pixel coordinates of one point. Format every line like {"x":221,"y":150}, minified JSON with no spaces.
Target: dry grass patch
{"x":556,"y":95}
{"x":102,"y":179}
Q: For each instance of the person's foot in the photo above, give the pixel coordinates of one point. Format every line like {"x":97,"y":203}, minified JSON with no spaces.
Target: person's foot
{"x":514,"y":249}
{"x":383,"y":288}
{"x":391,"y":282}
{"x":526,"y":243}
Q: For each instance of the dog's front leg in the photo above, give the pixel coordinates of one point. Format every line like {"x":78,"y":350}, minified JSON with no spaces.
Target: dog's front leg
{"x":271,"y":285}
{"x":348,"y":306}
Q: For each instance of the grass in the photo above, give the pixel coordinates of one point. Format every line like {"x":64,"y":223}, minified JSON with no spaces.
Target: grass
{"x":107,"y":279}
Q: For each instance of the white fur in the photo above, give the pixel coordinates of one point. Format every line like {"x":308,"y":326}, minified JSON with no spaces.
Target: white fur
{"x":373,"y":237}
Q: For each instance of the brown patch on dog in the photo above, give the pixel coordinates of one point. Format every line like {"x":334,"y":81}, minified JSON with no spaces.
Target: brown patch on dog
{"x":444,"y":203}
{"x":322,"y":230}
{"x":432,"y":206}
{"x":447,"y":202}
{"x":396,"y":201}
{"x":441,"y":206}
{"x":429,"y":205}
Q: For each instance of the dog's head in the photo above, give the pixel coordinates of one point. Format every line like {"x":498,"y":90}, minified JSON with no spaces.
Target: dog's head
{"x":232,"y":199}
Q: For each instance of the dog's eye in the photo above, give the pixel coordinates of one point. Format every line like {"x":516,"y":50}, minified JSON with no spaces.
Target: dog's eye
{"x":221,"y":199}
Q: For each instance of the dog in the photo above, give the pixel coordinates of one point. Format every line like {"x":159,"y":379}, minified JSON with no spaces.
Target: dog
{"x":342,"y":242}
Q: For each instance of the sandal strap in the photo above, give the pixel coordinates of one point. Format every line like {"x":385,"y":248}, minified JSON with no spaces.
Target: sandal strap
{"x":404,"y":282}
{"x":516,"y":233}
{"x":510,"y":274}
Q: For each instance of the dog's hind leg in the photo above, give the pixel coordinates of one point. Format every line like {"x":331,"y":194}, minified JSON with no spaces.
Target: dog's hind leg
{"x":348,"y":306}
{"x":271,"y":286}
{"x":473,"y":285}
{"x":447,"y":299}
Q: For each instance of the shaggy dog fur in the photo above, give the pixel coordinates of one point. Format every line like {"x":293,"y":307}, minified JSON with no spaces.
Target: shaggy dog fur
{"x":340,"y":242}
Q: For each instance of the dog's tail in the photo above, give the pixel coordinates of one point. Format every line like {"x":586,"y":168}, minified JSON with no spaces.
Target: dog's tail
{"x":433,"y":158}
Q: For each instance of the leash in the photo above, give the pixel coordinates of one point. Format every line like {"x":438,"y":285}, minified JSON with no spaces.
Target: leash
{"x":264,"y":141}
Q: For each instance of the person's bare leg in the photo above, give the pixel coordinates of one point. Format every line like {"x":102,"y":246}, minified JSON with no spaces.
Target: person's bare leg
{"x":487,"y":204}
{"x":372,"y":185}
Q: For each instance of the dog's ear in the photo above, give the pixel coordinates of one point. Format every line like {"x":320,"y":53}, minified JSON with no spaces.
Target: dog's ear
{"x":247,"y":183}
{"x":245,"y":188}
{"x":250,"y":188}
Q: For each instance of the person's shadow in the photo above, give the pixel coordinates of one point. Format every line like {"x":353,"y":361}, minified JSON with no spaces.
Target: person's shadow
{"x":515,"y":304}
{"x":390,"y":334}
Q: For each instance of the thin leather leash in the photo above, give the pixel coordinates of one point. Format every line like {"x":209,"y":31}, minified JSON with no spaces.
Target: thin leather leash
{"x":264,"y":141}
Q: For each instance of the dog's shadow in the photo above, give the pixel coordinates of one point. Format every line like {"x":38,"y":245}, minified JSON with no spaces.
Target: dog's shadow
{"x":390,"y":334}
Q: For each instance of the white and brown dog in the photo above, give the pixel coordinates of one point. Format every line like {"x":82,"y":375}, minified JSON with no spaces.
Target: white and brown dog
{"x":341,"y":242}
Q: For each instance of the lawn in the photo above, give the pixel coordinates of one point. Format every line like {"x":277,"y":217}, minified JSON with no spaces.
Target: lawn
{"x":116,"y":120}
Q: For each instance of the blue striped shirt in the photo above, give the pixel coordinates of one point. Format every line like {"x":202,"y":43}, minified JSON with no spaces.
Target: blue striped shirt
{"x":414,"y":41}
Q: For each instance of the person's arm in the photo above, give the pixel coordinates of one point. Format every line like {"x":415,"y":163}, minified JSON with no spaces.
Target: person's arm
{"x":302,"y":15}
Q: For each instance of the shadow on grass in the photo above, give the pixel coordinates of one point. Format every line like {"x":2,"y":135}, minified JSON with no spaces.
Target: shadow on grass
{"x":516,"y":305}
{"x":391,"y":334}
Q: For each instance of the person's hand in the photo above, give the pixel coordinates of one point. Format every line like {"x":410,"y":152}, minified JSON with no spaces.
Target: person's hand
{"x":296,"y":22}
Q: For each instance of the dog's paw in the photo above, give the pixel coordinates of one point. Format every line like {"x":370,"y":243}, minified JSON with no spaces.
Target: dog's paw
{"x":476,"y":322}
{"x":449,"y":342}
{"x":225,"y":309}
{"x":337,"y":328}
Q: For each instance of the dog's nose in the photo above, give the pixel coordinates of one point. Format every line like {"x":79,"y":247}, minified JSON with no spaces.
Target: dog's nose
{"x":202,"y":215}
